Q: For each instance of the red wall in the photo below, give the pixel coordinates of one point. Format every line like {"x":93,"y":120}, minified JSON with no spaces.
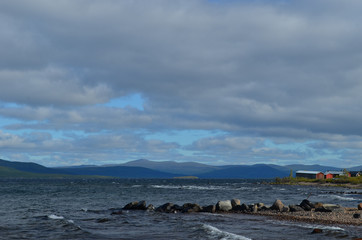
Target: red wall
{"x":320,"y":176}
{"x":329,"y":176}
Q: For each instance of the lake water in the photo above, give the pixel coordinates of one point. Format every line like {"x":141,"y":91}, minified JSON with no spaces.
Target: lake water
{"x":81,"y":209}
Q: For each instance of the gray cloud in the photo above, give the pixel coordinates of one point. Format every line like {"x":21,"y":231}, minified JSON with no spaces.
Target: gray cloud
{"x":281,"y":69}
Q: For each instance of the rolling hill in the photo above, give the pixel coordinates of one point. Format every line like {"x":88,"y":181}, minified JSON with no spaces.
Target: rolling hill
{"x":150,"y":169}
{"x":261,"y":171}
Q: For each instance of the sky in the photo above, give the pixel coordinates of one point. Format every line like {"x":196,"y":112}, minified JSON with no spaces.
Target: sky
{"x":211,"y":81}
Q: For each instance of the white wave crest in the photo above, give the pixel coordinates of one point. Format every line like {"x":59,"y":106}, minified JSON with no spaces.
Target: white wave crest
{"x":223,"y":235}
{"x":345,"y":198}
{"x":53,"y":216}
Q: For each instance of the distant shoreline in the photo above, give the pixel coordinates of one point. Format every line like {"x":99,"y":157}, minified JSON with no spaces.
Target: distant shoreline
{"x":317,"y":184}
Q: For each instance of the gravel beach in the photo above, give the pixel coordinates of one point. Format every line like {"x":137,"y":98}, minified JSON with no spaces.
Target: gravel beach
{"x":343,"y":216}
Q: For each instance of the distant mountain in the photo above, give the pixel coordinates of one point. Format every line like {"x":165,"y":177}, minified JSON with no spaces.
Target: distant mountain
{"x":121,"y":172}
{"x":168,"y":169}
{"x":357,"y":168}
{"x":183,"y":168}
{"x":315,"y":167}
{"x":30,"y":167}
{"x":261,"y":171}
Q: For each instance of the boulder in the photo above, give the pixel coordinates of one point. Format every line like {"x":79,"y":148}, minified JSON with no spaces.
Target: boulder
{"x":191,"y":207}
{"x":359,"y":206}
{"x":295,"y":208}
{"x":254,"y":209}
{"x":264,"y":208}
{"x":322,"y":209}
{"x":224,"y":206}
{"x":306,"y":205}
{"x":277,"y":205}
{"x":332,"y":207}
{"x":150,"y":208}
{"x":357,"y":215}
{"x":241,"y":208}
{"x":141,"y":206}
{"x":135,"y":206}
{"x":260,"y":205}
{"x":244,"y":207}
{"x":318,"y":205}
{"x":235,"y":202}
{"x":209,"y":209}
{"x":285,"y":209}
{"x":130,"y":206}
{"x":167,"y":207}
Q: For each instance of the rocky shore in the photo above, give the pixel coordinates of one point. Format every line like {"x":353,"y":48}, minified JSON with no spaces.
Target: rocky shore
{"x":305,"y":211}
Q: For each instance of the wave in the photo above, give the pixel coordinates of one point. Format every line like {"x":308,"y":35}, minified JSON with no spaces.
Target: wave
{"x":345,"y":198}
{"x":56,"y":217}
{"x":223,"y":234}
{"x":311,"y":226}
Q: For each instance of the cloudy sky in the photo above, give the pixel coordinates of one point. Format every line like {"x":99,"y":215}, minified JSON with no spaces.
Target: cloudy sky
{"x":212,"y":81}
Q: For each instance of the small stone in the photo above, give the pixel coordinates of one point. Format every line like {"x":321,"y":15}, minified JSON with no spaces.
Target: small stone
{"x":317,"y":230}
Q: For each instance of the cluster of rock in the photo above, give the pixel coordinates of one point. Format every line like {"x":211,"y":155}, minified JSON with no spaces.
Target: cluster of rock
{"x":234,"y":205}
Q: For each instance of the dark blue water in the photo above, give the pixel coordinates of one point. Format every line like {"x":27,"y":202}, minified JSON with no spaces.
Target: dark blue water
{"x":81,"y":209}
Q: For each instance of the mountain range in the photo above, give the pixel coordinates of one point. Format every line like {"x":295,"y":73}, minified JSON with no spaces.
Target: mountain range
{"x":143,"y":168}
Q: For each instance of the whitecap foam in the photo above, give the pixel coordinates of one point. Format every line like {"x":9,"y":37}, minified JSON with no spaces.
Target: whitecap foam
{"x":344,"y":198}
{"x":223,"y":234}
{"x":56,"y":217}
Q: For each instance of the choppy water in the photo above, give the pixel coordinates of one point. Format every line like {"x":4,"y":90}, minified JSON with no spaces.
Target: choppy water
{"x":81,"y":209}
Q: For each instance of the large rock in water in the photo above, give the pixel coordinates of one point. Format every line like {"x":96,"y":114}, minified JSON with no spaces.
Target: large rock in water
{"x":360,"y":206}
{"x":306,"y":205}
{"x":209,"y":209}
{"x":167,"y":207}
{"x":224,"y":206}
{"x":277,"y":205}
{"x":235,"y":202}
{"x":295,"y":208}
{"x":136,"y":206}
{"x":191,"y":207}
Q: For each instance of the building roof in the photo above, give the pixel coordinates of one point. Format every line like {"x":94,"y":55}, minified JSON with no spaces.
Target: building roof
{"x":334,"y":172}
{"x":308,"y":172}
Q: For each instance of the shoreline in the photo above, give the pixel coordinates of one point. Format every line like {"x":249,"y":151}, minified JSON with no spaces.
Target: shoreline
{"x":306,"y":211}
{"x":344,"y":217}
{"x":317,"y":184}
